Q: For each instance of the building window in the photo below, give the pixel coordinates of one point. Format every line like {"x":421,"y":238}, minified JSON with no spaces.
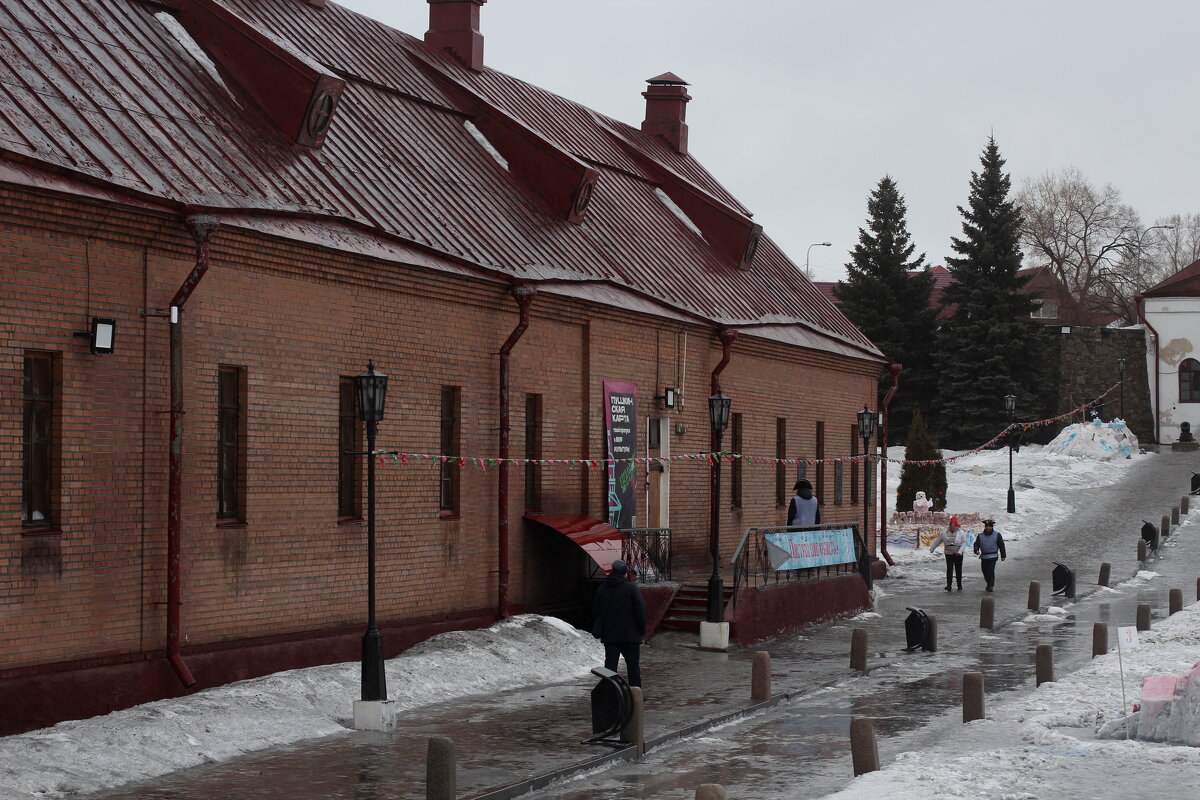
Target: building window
{"x":1044,"y":309}
{"x":451,"y":474}
{"x":819,"y":486}
{"x":37,"y":441}
{"x":533,"y":452}
{"x":735,"y":466}
{"x":349,"y":451}
{"x":781,"y":495}
{"x":1189,"y":381}
{"x":853,"y":465}
{"x":230,"y":437}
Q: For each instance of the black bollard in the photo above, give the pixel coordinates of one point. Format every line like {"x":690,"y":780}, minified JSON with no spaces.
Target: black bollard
{"x":863,"y":747}
{"x":1105,"y":573}
{"x":1183,"y":504}
{"x":634,"y":731}
{"x":1035,"y":596}
{"x":1099,"y":638}
{"x":1174,"y":515}
{"x":930,"y":643}
{"x":1141,"y":555}
{"x":972,"y":696}
{"x":1044,"y":663}
{"x":760,"y":679}
{"x":1143,"y":616}
{"x":1165,"y":530}
{"x":1175,"y":601}
{"x":987,"y":613}
{"x":858,"y":649}
{"x":439,"y":769}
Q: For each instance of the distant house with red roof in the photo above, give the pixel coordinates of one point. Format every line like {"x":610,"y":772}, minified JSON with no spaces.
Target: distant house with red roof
{"x":216,"y":213}
{"x":1171,"y":313}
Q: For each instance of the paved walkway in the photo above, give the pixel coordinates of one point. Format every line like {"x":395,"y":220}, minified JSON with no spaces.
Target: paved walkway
{"x":507,"y":740}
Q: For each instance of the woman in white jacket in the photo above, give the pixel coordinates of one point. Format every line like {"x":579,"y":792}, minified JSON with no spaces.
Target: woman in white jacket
{"x":954,"y":539}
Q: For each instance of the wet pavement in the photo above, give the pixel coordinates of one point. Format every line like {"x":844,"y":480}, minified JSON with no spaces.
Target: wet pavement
{"x":801,"y":743}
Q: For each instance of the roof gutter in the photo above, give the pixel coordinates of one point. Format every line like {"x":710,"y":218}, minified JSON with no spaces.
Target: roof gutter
{"x":1141,"y":310}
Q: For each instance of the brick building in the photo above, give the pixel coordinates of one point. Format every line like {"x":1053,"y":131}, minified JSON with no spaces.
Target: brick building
{"x":262,"y":196}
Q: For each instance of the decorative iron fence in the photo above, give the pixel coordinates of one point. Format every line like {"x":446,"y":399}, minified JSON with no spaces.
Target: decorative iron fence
{"x":648,"y":552}
{"x":755,"y":566}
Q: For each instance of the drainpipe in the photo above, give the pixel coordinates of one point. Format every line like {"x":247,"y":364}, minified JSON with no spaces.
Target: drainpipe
{"x":524,"y":296}
{"x":894,"y":368}
{"x":1141,"y":308}
{"x":201,"y":228}
{"x":715,"y":589}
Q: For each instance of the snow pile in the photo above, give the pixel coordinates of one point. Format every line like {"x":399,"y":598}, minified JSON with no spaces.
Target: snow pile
{"x":1096,"y":440}
{"x":221,"y":723}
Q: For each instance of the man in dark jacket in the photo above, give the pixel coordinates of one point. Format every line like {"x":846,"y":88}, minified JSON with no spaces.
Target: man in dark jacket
{"x":619,"y":612}
{"x":989,"y":546}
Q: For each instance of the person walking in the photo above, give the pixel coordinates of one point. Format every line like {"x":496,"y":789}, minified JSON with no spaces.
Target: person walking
{"x":619,"y":621}
{"x":989,"y":546}
{"x":805,"y":508}
{"x":953,"y":540}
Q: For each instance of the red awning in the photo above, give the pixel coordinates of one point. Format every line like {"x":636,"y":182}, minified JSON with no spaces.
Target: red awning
{"x":601,"y":541}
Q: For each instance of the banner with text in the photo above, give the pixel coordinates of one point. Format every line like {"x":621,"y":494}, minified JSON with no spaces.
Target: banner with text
{"x":814,"y":548}
{"x":620,"y":422}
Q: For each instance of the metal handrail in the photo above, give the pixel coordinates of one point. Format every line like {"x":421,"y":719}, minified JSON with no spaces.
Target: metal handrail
{"x":648,"y":552}
{"x":752,"y":564}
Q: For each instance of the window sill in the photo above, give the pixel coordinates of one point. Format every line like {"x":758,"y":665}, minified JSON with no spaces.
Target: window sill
{"x":41,"y":530}
{"x":449,"y":516}
{"x":231,"y":523}
{"x":350,"y":520}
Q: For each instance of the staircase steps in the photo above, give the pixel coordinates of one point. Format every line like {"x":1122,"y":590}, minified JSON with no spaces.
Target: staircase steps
{"x":690,"y":607}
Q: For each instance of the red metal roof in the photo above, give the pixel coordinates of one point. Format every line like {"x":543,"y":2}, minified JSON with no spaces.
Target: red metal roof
{"x":1185,"y":283}
{"x":105,"y":92}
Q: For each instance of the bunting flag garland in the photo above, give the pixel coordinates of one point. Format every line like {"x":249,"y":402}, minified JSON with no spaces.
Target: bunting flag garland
{"x":402,"y":458}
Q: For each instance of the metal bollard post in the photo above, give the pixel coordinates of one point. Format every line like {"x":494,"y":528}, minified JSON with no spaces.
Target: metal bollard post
{"x":760,"y":680}
{"x":1035,"y":596}
{"x":1198,"y":589}
{"x":972,"y":696}
{"x":1183,"y":504}
{"x":711,"y":791}
{"x":858,"y":649}
{"x":987,"y":613}
{"x":1044,"y":663}
{"x":1165,"y":530}
{"x":863,"y":747}
{"x":1174,"y":515}
{"x":439,"y":769}
{"x":1143,"y":616}
{"x":634,"y":731}
{"x":1175,"y":601}
{"x":1105,"y":573}
{"x":930,"y":643}
{"x":1141,"y":555}
{"x":1099,"y":638}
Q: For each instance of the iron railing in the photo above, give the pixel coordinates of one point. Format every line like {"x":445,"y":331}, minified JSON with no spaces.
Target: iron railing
{"x":648,"y":552}
{"x":752,"y":564}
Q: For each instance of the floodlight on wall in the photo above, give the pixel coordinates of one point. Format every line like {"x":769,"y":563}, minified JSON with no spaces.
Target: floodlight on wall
{"x":667,"y":398}
{"x":101,"y":336}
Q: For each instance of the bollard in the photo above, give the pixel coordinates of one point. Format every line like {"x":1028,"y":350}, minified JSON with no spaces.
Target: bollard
{"x":1175,"y":601}
{"x":711,"y":791}
{"x":1099,"y":638}
{"x":1165,"y":530}
{"x":930,"y":643}
{"x":1044,"y":664}
{"x":1198,"y":590}
{"x":1141,"y":550}
{"x":972,"y":696}
{"x":1183,"y":504}
{"x":987,"y":613}
{"x":863,"y":747}
{"x":439,"y":769}
{"x":1143,"y":616}
{"x":1174,"y":515}
{"x":1035,"y":596}
{"x":858,"y":649}
{"x":760,"y":681}
{"x":634,"y":730}
{"x":1105,"y":573}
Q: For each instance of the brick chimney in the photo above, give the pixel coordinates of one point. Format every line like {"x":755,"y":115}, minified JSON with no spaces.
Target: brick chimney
{"x":666,"y":108}
{"x":454,"y":27}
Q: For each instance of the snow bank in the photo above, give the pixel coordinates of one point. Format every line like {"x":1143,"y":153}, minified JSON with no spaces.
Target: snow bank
{"x":1097,"y":440}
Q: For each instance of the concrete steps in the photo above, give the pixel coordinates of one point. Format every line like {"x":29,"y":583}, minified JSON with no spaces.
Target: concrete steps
{"x":690,"y":607}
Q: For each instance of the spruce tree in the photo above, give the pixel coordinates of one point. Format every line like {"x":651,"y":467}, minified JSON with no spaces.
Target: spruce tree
{"x":927,"y":478}
{"x":987,"y":349}
{"x":886,"y":296}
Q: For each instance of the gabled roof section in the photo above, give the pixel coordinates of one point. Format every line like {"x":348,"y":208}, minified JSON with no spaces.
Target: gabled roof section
{"x":1185,"y":283}
{"x":104,"y":93}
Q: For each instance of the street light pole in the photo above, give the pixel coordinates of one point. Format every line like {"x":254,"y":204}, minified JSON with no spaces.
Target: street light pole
{"x":1121,"y":383}
{"x":1010,"y":405}
{"x":866,"y":428}
{"x":718,"y":414}
{"x":807,"y":271}
{"x":372,"y":392}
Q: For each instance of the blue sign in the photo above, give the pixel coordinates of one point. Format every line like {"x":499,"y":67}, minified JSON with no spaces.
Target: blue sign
{"x":811,"y":548}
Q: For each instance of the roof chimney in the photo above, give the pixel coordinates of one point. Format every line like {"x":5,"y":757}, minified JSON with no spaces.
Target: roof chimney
{"x":666,"y":108}
{"x":454,"y":27}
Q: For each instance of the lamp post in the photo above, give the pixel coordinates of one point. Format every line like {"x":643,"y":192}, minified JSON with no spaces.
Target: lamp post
{"x":1010,"y":405}
{"x":807,"y":270}
{"x":372,"y":392}
{"x":866,"y":428}
{"x":1121,"y":384}
{"x":718,"y":415}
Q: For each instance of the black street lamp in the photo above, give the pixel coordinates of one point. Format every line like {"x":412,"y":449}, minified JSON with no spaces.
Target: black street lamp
{"x":718,"y":415}
{"x":1121,"y":383}
{"x":372,"y":392}
{"x":1010,"y":405}
{"x":866,"y":429}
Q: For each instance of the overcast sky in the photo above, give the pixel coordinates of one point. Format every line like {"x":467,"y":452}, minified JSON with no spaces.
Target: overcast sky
{"x":799,"y":108}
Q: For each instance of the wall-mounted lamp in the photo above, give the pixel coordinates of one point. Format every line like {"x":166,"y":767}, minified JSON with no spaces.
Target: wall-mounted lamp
{"x":667,"y":398}
{"x":101,"y":336}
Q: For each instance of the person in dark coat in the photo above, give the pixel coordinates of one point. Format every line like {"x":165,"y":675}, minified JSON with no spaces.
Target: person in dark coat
{"x":619,"y":614}
{"x":989,"y":546}
{"x":804,"y":509}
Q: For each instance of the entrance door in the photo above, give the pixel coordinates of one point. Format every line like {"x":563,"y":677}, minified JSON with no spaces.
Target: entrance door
{"x":658,"y":475}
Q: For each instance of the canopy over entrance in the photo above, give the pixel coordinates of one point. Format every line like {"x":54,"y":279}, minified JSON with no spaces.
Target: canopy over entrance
{"x":601,"y":541}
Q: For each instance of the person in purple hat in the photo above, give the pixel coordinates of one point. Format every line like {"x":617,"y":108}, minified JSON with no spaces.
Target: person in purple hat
{"x":619,"y":621}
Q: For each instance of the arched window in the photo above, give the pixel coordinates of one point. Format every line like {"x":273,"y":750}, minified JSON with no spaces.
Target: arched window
{"x":1189,"y":381}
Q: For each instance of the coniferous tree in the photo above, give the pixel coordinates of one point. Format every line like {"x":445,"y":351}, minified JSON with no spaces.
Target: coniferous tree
{"x":927,"y":478}
{"x":886,"y":296}
{"x":988,"y":348}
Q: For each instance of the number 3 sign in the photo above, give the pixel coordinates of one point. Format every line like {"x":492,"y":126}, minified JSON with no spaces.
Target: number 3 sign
{"x":1127,"y":638}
